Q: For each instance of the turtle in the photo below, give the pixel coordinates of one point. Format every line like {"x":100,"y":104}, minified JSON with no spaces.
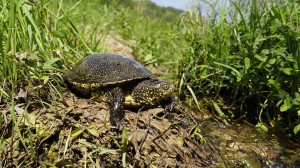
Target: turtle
{"x":119,"y":81}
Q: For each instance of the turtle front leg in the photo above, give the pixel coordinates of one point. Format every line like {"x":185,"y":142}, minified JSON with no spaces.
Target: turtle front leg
{"x":116,"y":100}
{"x":171,"y":104}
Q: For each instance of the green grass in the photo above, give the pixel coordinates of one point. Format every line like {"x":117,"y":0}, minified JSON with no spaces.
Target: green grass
{"x":38,"y":40}
{"x":158,"y":41}
{"x":41,"y":39}
{"x":243,"y":61}
{"x":239,"y":63}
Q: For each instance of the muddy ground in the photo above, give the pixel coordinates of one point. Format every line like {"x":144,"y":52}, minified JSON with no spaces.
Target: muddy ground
{"x":77,"y":133}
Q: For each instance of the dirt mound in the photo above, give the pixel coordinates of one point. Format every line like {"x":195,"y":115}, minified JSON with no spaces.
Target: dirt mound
{"x":78,"y":133}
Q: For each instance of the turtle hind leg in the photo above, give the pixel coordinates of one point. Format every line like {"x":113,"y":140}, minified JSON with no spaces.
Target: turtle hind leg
{"x":116,"y":99}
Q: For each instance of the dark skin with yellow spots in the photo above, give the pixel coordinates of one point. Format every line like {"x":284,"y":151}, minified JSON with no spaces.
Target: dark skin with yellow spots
{"x":119,"y":81}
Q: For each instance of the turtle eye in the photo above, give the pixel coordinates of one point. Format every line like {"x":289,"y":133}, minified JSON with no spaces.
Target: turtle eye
{"x":165,"y":87}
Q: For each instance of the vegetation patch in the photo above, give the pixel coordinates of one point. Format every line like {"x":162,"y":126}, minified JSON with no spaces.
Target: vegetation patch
{"x":239,"y":63}
{"x":243,"y":62}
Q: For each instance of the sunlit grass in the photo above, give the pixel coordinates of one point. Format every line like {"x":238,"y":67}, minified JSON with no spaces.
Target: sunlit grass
{"x":157,"y":43}
{"x":244,"y":59}
{"x":240,"y":62}
{"x":41,"y":39}
{"x":38,"y":41}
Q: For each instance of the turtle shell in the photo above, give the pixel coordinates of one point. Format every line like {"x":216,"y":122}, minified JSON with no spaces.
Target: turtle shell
{"x":105,"y":69}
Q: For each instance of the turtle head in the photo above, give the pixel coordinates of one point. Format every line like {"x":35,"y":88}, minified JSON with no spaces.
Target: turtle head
{"x":152,"y":92}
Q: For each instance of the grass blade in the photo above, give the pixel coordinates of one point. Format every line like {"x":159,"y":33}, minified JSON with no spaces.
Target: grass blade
{"x":194,"y":97}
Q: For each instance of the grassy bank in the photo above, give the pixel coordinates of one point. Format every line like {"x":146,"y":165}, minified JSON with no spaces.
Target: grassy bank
{"x":243,"y":62}
{"x":38,"y":40}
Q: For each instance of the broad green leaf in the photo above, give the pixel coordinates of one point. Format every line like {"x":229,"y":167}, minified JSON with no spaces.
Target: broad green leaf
{"x":262,"y":58}
{"x":30,"y":18}
{"x":39,"y":132}
{"x":45,"y":164}
{"x":247,"y":63}
{"x":286,"y":104}
{"x":76,"y":133}
{"x":52,"y":61}
{"x":148,"y":57}
{"x":297,"y":97}
{"x":92,"y":126}
{"x":297,"y":129}
{"x":238,"y":74}
{"x":221,"y":114}
{"x":273,"y":83}
{"x":282,"y":17}
{"x":47,"y":65}
{"x":57,"y":34}
{"x":287,"y":71}
{"x":153,"y":166}
{"x":32,"y":119}
{"x":194,"y":97}
{"x":264,"y":128}
{"x":83,"y":141}
{"x":94,"y":132}
{"x":180,"y":141}
{"x":45,"y":78}
{"x":218,"y":109}
{"x":261,"y":127}
{"x":20,"y":3}
{"x":3,"y":143}
{"x":78,"y":125}
{"x":272,"y":61}
{"x":283,"y":108}
{"x":106,"y":150}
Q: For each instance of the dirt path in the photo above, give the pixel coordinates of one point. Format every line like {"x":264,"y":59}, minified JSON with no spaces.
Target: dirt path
{"x":116,"y":45}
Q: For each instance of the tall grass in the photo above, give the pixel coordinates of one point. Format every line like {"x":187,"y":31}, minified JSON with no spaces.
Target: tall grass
{"x":157,"y":42}
{"x":244,"y":61}
{"x":37,"y":41}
